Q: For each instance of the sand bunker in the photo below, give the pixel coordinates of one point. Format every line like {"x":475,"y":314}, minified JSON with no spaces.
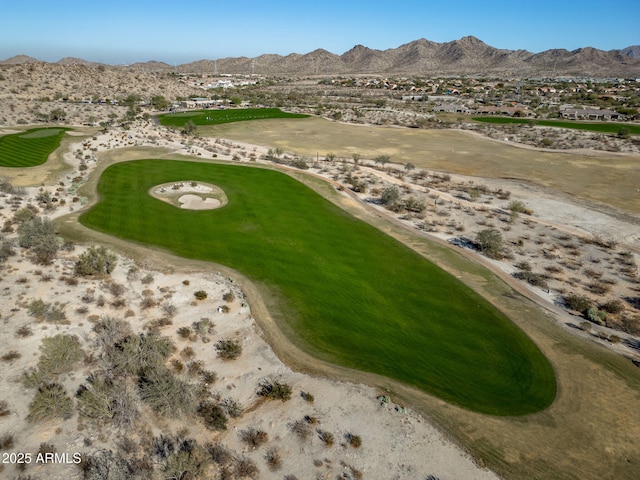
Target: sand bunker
{"x":190,"y":195}
{"x":194,"y":202}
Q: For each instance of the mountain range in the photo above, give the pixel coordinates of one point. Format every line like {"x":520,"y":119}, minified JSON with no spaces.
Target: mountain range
{"x":466,"y":56}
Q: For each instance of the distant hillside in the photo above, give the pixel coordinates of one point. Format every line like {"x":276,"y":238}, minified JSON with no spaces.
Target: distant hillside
{"x":466,"y":56}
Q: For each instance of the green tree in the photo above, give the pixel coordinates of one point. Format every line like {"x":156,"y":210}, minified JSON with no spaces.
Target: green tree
{"x":390,"y":195}
{"x":39,"y":236}
{"x":51,"y":401}
{"x":159,"y":102}
{"x":96,"y":261}
{"x":490,"y":242}
{"x":382,"y":159}
{"x":189,"y":128}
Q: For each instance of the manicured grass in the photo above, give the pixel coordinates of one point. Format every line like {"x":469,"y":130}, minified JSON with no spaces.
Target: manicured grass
{"x":215,"y":117}
{"x":30,"y":148}
{"x":349,"y":293}
{"x":592,"y":127}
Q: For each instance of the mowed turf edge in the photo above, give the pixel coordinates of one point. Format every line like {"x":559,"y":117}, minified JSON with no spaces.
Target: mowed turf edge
{"x":216,"y":117}
{"x":29,"y":148}
{"x":351,"y":294}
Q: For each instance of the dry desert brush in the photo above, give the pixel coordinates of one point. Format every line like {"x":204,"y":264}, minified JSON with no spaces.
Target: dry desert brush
{"x":274,"y":390}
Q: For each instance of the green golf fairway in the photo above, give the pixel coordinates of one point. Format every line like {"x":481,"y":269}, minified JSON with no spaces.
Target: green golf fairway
{"x":215,"y":117}
{"x":591,"y":127}
{"x":30,"y":148}
{"x":350,"y":294}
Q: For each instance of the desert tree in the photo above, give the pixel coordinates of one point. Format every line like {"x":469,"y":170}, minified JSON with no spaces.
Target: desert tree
{"x":96,"y":261}
{"x":382,"y":159}
{"x":39,"y":236}
{"x":228,"y":349}
{"x":489,"y":242}
{"x":390,"y":195}
{"x":274,"y":390}
{"x":50,"y":401}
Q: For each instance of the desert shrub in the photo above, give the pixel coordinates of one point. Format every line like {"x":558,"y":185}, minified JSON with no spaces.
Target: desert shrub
{"x":6,"y":441}
{"x":613,"y":306}
{"x":326,"y":437}
{"x":219,"y":454}
{"x":208,"y":377}
{"x":576,"y":302}
{"x":516,"y":206}
{"x":33,"y":378}
{"x":195,"y":367}
{"x":51,"y":401}
{"x":229,"y":297}
{"x":599,"y":288}
{"x":116,"y":289}
{"x":200,"y":295}
{"x":354,"y":440}
{"x":166,"y":394}
{"x":301,"y":429}
{"x":39,"y":236}
{"x":102,"y":398}
{"x":7,"y":248}
{"x":187,"y":353}
{"x":228,"y":349}
{"x":177,"y":365}
{"x":489,"y":242}
{"x":535,"y":279}
{"x":10,"y":356}
{"x":4,"y":408}
{"x":273,"y":459}
{"x":105,"y":465}
{"x":596,"y":316}
{"x":47,"y":448}
{"x":96,"y":261}
{"x":24,"y":331}
{"x":137,"y":354}
{"x":307,"y":397}
{"x":204,"y":327}
{"x":24,"y":215}
{"x":254,"y":438}
{"x":183,"y":459}
{"x":37,"y":309}
{"x":147,"y":279}
{"x":147,"y":302}
{"x":390,"y":195}
{"x":169,"y":308}
{"x":232,"y":407}
{"x":245,"y":467}
{"x":185,"y":332}
{"x":525,"y":266}
{"x":212,"y":415}
{"x":59,"y":354}
{"x":274,"y":390}
{"x":110,"y":330}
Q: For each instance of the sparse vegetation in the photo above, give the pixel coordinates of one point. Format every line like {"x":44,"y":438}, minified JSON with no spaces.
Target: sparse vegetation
{"x":228,"y":349}
{"x":96,"y":261}
{"x":275,"y":390}
{"x":51,"y":401}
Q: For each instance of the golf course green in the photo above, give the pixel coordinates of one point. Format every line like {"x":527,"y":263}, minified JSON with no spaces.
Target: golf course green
{"x":227,"y":115}
{"x":345,"y":292}
{"x":30,"y":148}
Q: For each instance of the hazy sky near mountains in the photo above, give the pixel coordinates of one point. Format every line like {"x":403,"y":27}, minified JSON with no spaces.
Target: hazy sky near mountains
{"x":116,"y":31}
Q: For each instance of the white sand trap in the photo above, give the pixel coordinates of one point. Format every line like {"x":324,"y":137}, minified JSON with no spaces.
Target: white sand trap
{"x":194,"y":202}
{"x":190,"y":195}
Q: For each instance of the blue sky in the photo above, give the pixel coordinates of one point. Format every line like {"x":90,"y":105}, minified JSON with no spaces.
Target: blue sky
{"x":116,"y":31}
